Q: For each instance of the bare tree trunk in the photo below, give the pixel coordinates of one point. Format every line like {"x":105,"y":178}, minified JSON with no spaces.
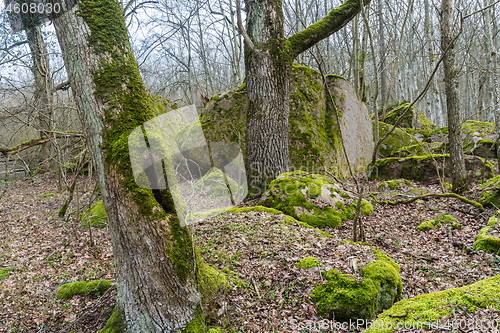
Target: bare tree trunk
{"x":154,"y":259}
{"x":44,"y":97}
{"x":383,"y":54}
{"x":458,"y":173}
{"x":491,"y":50}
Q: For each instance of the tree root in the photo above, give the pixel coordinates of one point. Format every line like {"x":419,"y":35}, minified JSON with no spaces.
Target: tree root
{"x":446,"y":195}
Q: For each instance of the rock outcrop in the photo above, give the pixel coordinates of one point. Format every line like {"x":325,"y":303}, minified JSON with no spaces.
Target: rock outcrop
{"x":314,"y":132}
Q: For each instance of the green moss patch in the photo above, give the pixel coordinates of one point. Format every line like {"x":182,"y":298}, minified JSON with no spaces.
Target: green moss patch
{"x":94,"y":288}
{"x":5,"y":272}
{"x":488,"y":239}
{"x":414,"y":312}
{"x":98,"y":217}
{"x":438,"y":222}
{"x":393,"y":184}
{"x":308,"y":262}
{"x":346,"y":298}
{"x":312,"y":199}
{"x":114,"y":324}
{"x":423,"y":168}
{"x":395,"y":142}
{"x":490,"y":197}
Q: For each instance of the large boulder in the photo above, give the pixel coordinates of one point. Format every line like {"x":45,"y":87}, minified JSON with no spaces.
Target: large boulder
{"x":395,"y":142}
{"x":414,"y":313}
{"x":312,"y":199}
{"x":344,"y":298}
{"x":314,"y":133}
{"x":422,"y":168}
{"x":478,"y":138}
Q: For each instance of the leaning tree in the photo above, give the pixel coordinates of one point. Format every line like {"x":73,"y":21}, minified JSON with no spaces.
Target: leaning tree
{"x":156,"y":270}
{"x":268,"y":63}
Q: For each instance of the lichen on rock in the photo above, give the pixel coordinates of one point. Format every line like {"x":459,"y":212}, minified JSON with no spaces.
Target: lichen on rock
{"x":312,"y":199}
{"x":345,"y":298}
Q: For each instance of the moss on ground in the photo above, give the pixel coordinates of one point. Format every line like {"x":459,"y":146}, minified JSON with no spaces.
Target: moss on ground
{"x":393,"y":184}
{"x":488,"y":239}
{"x":5,"y":272}
{"x":345,"y":298}
{"x":98,"y":217}
{"x":308,"y":262}
{"x":94,"y":288}
{"x":431,"y":307}
{"x":438,"y":222}
{"x":312,"y":199}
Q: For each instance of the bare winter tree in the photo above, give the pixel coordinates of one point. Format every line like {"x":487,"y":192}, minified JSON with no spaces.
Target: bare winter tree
{"x":154,"y":259}
{"x":268,"y":62}
{"x":458,"y":174}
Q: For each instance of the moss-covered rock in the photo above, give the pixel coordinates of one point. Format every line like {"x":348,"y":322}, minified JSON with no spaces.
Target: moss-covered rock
{"x":345,"y":298}
{"x":490,"y":197}
{"x":396,"y":141}
{"x":488,"y":239}
{"x":429,"y":308}
{"x":427,"y":225}
{"x":438,"y":222}
{"x":215,"y":183}
{"x":94,"y":288}
{"x":422,"y":168}
{"x":393,"y":184}
{"x":422,"y":123}
{"x":478,"y":139}
{"x":98,"y":217}
{"x":314,"y":133}
{"x":312,"y":199}
{"x":5,"y":272}
{"x":308,"y":262}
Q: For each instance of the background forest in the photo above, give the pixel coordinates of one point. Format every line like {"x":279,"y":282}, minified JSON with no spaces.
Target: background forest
{"x":82,"y":242}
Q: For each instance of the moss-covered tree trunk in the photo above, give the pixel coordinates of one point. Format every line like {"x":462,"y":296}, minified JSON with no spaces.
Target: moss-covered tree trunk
{"x":154,"y":261}
{"x":458,"y":173}
{"x":268,"y":62}
{"x":44,"y":96}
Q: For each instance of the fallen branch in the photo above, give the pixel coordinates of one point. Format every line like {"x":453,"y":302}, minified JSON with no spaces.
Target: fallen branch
{"x":36,"y":142}
{"x":446,"y":195}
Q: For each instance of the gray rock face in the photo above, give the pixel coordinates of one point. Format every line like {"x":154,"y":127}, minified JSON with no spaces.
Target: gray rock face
{"x":355,"y":124}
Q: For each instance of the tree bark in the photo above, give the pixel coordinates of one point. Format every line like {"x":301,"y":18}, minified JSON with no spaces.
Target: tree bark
{"x":154,"y":259}
{"x":268,"y":63}
{"x":44,"y":96}
{"x":458,"y":173}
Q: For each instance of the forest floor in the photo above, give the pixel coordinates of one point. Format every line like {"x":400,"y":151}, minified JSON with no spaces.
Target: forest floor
{"x":46,"y":251}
